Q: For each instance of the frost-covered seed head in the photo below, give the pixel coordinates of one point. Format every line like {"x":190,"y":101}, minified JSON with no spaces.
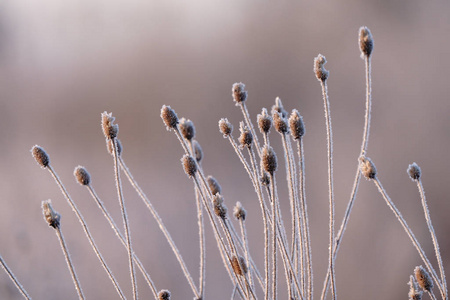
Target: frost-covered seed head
{"x":226,"y":128}
{"x":365,"y":42}
{"x":414,"y":292}
{"x":296,"y":125}
{"x":219,"y":207}
{"x":239,"y":93}
{"x":367,"y":167}
{"x":189,"y":165}
{"x":279,"y":122}
{"x":82,"y":175}
{"x":52,"y":217}
{"x":164,"y":295}
{"x":414,"y":171}
{"x":239,"y":266}
{"x":264,"y":121}
{"x":239,"y":212}
{"x":269,"y":160}
{"x":198,"y":151}
{"x":319,"y":69}
{"x":110,"y":130}
{"x":246,"y":137}
{"x":279,"y":108}
{"x":187,"y":129}
{"x":423,"y":278}
{"x":169,"y":117}
{"x":214,"y":185}
{"x":40,"y":156}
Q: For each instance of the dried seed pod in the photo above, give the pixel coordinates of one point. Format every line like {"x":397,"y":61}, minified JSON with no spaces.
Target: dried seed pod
{"x":319,"y":69}
{"x":110,"y":130}
{"x":82,"y":175}
{"x":214,"y":186}
{"x":246,"y":137}
{"x":189,"y":165}
{"x":279,"y":108}
{"x":279,"y":122}
{"x":219,"y":207}
{"x":296,"y":125}
{"x":40,"y":156}
{"x":414,"y":293}
{"x":226,"y":128}
{"x":367,"y":167}
{"x":414,"y":171}
{"x":239,"y":266}
{"x":169,"y":117}
{"x":198,"y":151}
{"x":365,"y":42}
{"x":264,"y":121}
{"x":269,"y":160}
{"x":239,"y":93}
{"x":423,"y":278}
{"x":164,"y":295}
{"x":52,"y":217}
{"x":187,"y":129}
{"x":239,"y":212}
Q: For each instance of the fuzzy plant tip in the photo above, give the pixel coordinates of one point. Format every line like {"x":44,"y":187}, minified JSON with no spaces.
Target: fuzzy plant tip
{"x":169,"y":117}
{"x":164,"y":295}
{"x":50,"y":215}
{"x":246,"y":137}
{"x":239,"y":93}
{"x":319,"y":69}
{"x":367,"y":168}
{"x":296,"y":125}
{"x":264,"y":121}
{"x":40,"y":156}
{"x":110,"y":130}
{"x":365,"y":42}
{"x":239,"y":212}
{"x":239,"y":266}
{"x":225,"y":127}
{"x":414,"y":172}
{"x":269,"y":160}
{"x":189,"y":165}
{"x":423,"y":278}
{"x":187,"y":129}
{"x":219,"y":207}
{"x":214,"y":185}
{"x":82,"y":176}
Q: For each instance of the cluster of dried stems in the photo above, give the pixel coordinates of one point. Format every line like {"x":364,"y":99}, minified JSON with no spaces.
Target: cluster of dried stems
{"x":287,"y":250}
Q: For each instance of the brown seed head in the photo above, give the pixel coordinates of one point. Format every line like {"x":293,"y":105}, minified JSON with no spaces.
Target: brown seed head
{"x":239,"y":94}
{"x":319,"y":69}
{"x":169,"y":117}
{"x":214,"y":186}
{"x":110,"y":130}
{"x":239,"y":212}
{"x":296,"y":125}
{"x":189,"y":165}
{"x":225,"y":127}
{"x":279,"y":108}
{"x":219,"y":207}
{"x":82,"y":175}
{"x":110,"y":147}
{"x":264,"y":121}
{"x":269,"y":160}
{"x":239,"y":266}
{"x":52,"y":217}
{"x":414,"y":172}
{"x":279,"y":122}
{"x":164,"y":295}
{"x":187,"y":129}
{"x":246,"y":137}
{"x":198,"y":151}
{"x":414,"y":293}
{"x":423,"y":278}
{"x":367,"y":167}
{"x":40,"y":156}
{"x":365,"y":42}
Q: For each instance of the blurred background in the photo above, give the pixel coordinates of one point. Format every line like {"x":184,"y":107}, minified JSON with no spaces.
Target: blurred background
{"x":62,"y":63}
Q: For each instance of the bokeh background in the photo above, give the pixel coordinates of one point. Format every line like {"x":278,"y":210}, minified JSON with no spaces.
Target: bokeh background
{"x":62,"y":63}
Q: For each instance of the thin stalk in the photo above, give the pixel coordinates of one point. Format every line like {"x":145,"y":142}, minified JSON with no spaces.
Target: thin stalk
{"x":274,"y":239}
{"x":122,"y":239}
{"x":201,"y":235}
{"x":14,"y":279}
{"x":86,"y":231}
{"x":161,"y":225}
{"x":246,"y":250}
{"x":410,"y":234}
{"x":125,"y":219}
{"x":249,"y":123}
{"x":432,"y":295}
{"x":433,"y":235}
{"x":69,"y":262}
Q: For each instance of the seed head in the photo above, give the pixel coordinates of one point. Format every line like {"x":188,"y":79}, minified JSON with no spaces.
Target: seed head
{"x":169,"y":117}
{"x":189,"y":165}
{"x":246,"y":137}
{"x":82,"y":175}
{"x":110,"y":130}
{"x":319,"y":69}
{"x":279,"y":122}
{"x":187,"y":129}
{"x":239,"y":212}
{"x":40,"y":156}
{"x":414,"y":293}
{"x":279,"y":108}
{"x":239,"y":266}
{"x":239,"y":94}
{"x":110,"y":146}
{"x":296,"y":125}
{"x":264,"y":121}
{"x":219,"y":207}
{"x":367,"y":167}
{"x":52,"y":217}
{"x":214,"y":186}
{"x":414,"y":172}
{"x":164,"y":295}
{"x":225,"y":127}
{"x":269,"y":160}
{"x":198,"y":151}
{"x":423,"y":278}
{"x":365,"y":42}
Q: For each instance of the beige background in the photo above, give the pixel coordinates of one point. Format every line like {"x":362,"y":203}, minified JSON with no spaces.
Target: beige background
{"x":62,"y":63}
